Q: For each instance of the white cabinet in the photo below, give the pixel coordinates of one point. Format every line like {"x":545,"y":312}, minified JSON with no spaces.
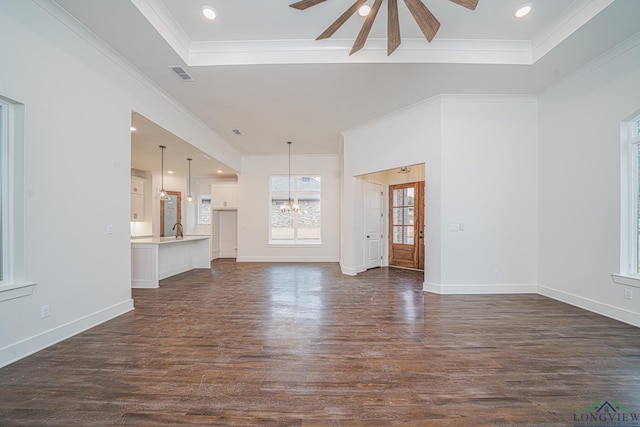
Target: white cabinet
{"x":154,"y":259}
{"x":137,"y":199}
{"x":224,"y":196}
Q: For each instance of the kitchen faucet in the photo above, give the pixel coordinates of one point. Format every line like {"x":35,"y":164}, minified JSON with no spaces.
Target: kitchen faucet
{"x":178,"y":230}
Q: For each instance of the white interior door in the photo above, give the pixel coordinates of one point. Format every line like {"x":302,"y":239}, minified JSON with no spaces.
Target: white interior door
{"x":373,"y":225}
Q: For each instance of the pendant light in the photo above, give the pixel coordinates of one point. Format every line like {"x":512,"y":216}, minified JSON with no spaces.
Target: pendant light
{"x":189,"y":198}
{"x":289,"y":206}
{"x":163,"y":194}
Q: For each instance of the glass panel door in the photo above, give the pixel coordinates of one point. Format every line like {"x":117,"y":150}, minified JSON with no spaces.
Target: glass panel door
{"x":403,"y":215}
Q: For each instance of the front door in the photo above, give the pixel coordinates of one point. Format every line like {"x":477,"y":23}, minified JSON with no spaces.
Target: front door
{"x":406,"y":225}
{"x":373,"y":225}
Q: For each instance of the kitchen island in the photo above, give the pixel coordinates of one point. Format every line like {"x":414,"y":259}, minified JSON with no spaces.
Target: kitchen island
{"x":156,"y":258}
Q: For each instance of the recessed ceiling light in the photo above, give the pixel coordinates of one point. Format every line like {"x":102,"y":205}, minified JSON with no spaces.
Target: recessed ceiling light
{"x":219,"y":171}
{"x":523,"y":10}
{"x":208,"y":12}
{"x":133,"y":129}
{"x":169,"y":171}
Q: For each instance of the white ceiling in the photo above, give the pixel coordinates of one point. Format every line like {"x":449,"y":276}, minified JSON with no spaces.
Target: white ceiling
{"x":146,"y":154}
{"x":259,"y":69}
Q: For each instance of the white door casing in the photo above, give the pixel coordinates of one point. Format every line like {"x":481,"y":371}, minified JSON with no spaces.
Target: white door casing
{"x":373,"y":225}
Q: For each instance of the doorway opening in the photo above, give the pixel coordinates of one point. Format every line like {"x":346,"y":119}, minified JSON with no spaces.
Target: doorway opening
{"x":387,"y":242}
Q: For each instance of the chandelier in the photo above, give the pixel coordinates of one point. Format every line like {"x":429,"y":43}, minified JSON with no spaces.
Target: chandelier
{"x":289,"y":206}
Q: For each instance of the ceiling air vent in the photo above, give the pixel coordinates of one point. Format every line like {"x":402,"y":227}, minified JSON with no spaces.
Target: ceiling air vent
{"x":184,"y":76}
{"x":236,"y":131}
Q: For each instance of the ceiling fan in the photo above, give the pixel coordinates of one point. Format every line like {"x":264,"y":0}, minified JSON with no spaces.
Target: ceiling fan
{"x":423,"y":17}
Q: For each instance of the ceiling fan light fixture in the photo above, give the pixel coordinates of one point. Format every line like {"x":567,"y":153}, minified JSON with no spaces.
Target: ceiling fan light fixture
{"x":427,"y":22}
{"x":523,"y":10}
{"x":209,"y":12}
{"x":365,"y":9}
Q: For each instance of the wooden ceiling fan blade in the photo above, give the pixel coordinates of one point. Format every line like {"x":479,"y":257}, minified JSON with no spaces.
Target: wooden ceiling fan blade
{"x":304,"y":4}
{"x":469,"y":4}
{"x":366,"y":27}
{"x":424,"y":18}
{"x":331,"y":29}
{"x":393,"y":27}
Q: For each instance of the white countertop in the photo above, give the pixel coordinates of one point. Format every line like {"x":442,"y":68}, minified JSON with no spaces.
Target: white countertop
{"x":168,"y":240}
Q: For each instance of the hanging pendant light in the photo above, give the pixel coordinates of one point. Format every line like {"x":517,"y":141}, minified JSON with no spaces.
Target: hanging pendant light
{"x":289,"y":206}
{"x":189,"y":198}
{"x":163,"y":194}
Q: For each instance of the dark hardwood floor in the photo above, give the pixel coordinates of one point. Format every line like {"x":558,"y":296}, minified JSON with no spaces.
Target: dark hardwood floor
{"x":304,"y":345}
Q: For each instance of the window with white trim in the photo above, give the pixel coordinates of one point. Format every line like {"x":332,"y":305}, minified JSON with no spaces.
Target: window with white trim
{"x":4,"y":192}
{"x":295,"y":214}
{"x":13,"y":283}
{"x":632,"y":199}
{"x":204,"y":209}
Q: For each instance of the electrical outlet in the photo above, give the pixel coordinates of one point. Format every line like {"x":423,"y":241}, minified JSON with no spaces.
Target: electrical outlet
{"x":628,"y":294}
{"x":44,"y":311}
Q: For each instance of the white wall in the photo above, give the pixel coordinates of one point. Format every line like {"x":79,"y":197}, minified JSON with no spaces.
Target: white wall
{"x":480,"y":155}
{"x":254,"y":205}
{"x":78,"y":102}
{"x":489,"y":183}
{"x":580,"y":183}
{"x":406,"y":137}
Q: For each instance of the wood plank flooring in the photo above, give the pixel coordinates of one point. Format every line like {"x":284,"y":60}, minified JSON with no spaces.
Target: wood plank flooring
{"x":303,"y":345}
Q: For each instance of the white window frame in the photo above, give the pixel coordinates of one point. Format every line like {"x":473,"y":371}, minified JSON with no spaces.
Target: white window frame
{"x":634,"y":175}
{"x":294,"y":197}
{"x":629,"y":204}
{"x":200,"y":197}
{"x":5,"y":202}
{"x":13,"y":283}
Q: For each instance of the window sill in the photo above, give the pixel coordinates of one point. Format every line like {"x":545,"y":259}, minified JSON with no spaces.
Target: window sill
{"x":294,"y":245}
{"x":626,"y":280}
{"x":8,"y":292}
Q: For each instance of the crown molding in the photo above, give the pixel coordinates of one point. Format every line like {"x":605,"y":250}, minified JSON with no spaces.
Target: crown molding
{"x":576,"y":15}
{"x":610,"y":55}
{"x":160,"y":18}
{"x":444,"y":51}
{"x":82,"y":32}
{"x":447,"y":51}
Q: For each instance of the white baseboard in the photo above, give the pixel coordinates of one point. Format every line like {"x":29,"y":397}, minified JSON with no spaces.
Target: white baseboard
{"x":607,"y":310}
{"x":287,"y":259}
{"x":349,"y":271}
{"x":616,"y":313}
{"x":22,"y":349}
{"x":474,"y":289}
